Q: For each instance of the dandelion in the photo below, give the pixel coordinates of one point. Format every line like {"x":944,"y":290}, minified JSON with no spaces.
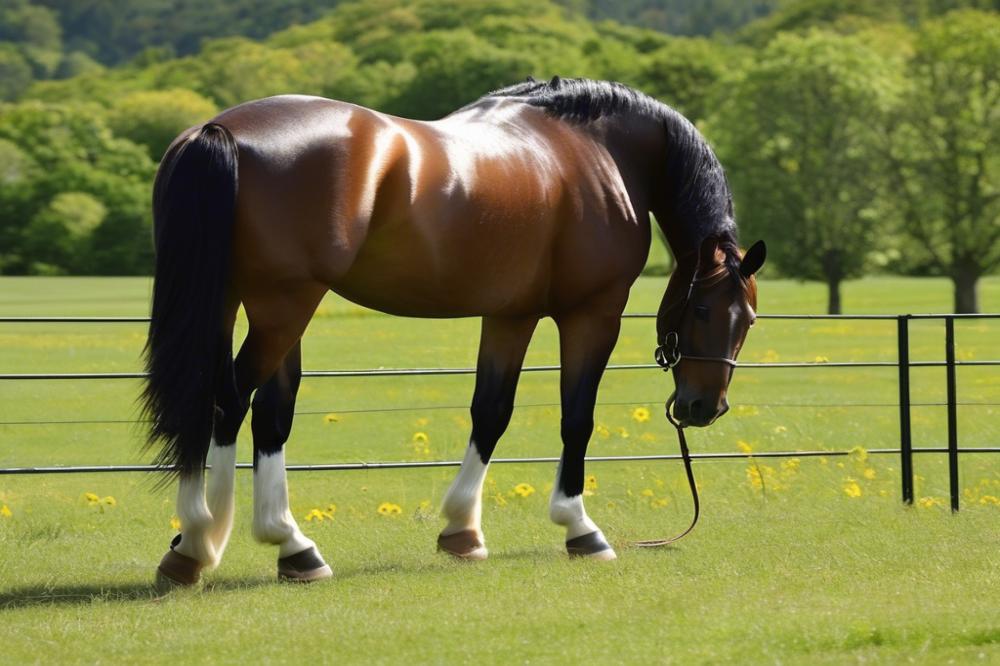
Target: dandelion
{"x":823,"y":460}
{"x":420,"y":438}
{"x":590,"y":483}
{"x":389,"y":509}
{"x":109,"y":501}
{"x":659,"y":503}
{"x":746,"y":410}
{"x":754,"y":477}
{"x":822,"y":359}
{"x":5,"y":511}
{"x":984,"y":500}
{"x":91,"y":498}
{"x":770,"y":356}
{"x":744,"y":447}
{"x":331,"y":418}
{"x":500,"y":499}
{"x":648,"y":492}
{"x":623,"y":433}
{"x":851,"y":488}
{"x":930,"y":502}
{"x":175,"y":523}
{"x":315,"y":514}
{"x":858,"y":453}
{"x":602,"y":430}
{"x":869,"y":473}
{"x":791,"y":466}
{"x":524,"y":490}
{"x":640,"y":414}
{"x":780,"y":430}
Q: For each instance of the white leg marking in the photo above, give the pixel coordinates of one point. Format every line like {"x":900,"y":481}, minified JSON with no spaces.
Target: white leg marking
{"x":221,"y":497}
{"x":272,"y":519}
{"x":463,"y":504}
{"x":570,"y":513}
{"x":196,"y":521}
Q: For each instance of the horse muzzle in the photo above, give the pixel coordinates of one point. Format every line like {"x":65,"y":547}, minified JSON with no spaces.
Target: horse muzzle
{"x":698,"y":412}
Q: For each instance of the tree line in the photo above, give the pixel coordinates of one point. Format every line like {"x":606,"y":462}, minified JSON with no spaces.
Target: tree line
{"x":857,"y":136}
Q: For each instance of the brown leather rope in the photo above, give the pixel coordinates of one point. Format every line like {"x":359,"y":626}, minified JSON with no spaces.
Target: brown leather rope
{"x":657,"y":543}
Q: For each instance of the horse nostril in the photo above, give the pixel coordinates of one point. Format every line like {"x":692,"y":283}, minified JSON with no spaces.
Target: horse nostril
{"x":696,"y":409}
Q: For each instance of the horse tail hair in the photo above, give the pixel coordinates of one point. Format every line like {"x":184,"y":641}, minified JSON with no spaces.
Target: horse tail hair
{"x":188,"y":349}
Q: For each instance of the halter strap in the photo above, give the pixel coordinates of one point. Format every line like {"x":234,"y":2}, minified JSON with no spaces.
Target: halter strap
{"x":686,"y":455}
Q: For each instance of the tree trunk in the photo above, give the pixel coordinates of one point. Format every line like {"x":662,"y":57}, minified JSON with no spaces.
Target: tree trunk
{"x":833,"y":301}
{"x":966,"y":283}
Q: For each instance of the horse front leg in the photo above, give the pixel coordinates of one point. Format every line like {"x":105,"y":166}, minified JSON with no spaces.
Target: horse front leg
{"x":501,"y":354}
{"x":586,"y":341}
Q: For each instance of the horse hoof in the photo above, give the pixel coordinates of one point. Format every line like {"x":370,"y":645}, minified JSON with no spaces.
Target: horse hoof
{"x":177,"y":570}
{"x":304,"y":567}
{"x":464,"y":545}
{"x":592,"y":546}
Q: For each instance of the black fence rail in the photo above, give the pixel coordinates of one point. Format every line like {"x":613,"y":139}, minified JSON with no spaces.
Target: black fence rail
{"x":905,"y":404}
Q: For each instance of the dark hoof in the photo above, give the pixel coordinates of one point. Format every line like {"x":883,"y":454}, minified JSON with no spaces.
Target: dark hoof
{"x":464,"y":545}
{"x":304,"y":567}
{"x":177,"y":570}
{"x":591,"y":545}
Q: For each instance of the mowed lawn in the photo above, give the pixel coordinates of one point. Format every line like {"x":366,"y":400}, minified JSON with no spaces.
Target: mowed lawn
{"x":806,"y":560}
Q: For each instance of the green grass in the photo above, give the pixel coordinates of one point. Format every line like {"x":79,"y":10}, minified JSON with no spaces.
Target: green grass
{"x":796,"y":572}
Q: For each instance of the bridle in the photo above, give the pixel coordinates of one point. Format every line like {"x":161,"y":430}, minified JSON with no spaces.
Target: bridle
{"x":668,"y":354}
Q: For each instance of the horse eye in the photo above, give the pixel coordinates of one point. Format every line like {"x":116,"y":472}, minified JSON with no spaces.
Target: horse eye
{"x":701,"y":312}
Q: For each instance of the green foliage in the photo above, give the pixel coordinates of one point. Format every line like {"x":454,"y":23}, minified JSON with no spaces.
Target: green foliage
{"x":798,"y":131}
{"x":944,"y":151}
{"x":154,"y":118}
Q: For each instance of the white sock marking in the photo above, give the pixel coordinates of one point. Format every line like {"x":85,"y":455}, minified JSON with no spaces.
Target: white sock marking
{"x":463,"y":504}
{"x":205,"y":525}
{"x":272,"y":519}
{"x":221,"y":496}
{"x":569,"y":511}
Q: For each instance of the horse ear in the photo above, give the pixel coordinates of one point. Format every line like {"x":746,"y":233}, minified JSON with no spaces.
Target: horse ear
{"x":530,"y":79}
{"x":555,"y":82}
{"x":753,"y":259}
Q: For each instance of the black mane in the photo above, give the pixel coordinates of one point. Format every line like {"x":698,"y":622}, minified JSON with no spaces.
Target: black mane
{"x":695,"y":178}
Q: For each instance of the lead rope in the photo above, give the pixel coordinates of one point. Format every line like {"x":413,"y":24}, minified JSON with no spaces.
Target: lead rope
{"x":657,"y":543}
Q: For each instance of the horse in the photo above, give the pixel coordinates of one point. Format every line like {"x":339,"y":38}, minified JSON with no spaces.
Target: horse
{"x":532,"y":201}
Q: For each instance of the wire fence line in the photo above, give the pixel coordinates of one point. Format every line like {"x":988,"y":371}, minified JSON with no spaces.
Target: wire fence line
{"x":903,"y":364}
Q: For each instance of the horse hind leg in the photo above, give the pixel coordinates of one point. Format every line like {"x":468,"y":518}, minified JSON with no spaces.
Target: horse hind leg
{"x":273,"y":523}
{"x":501,"y":353}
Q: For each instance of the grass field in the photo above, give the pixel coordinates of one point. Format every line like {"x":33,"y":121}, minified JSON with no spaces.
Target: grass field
{"x":812,"y":561}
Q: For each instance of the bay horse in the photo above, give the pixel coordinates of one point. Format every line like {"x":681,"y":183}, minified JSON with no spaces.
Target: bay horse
{"x":533,"y":201}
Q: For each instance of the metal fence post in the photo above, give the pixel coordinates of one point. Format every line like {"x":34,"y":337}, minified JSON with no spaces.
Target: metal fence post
{"x":949,"y":350}
{"x":905,"y":441}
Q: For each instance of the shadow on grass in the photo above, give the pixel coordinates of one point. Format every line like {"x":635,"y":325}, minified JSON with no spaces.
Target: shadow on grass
{"x":70,"y":595}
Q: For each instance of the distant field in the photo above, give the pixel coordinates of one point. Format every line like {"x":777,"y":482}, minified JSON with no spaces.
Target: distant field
{"x":807,"y":562}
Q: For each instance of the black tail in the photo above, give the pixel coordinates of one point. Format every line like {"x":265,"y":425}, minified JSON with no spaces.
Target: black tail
{"x":187,"y":351}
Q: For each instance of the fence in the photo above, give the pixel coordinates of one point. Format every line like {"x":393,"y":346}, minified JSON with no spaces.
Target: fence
{"x":903,"y":363}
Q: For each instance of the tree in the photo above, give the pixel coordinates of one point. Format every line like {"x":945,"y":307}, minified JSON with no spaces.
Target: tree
{"x":154,"y":118}
{"x":945,"y":149}
{"x":797,"y":135}
{"x":683,"y":74}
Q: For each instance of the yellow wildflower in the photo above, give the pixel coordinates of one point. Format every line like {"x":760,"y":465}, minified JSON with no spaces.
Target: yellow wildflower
{"x":869,"y":473}
{"x":109,"y":500}
{"x":985,"y":499}
{"x":602,"y":430}
{"x":659,"y":503}
{"x":743,"y":446}
{"x":175,"y":523}
{"x":858,"y":453}
{"x":770,"y":356}
{"x":5,"y":511}
{"x":930,"y":502}
{"x":851,"y":488}
{"x":822,"y":359}
{"x":92,"y":498}
{"x":389,"y":509}
{"x":420,"y":438}
{"x":524,"y":489}
{"x":331,"y":418}
{"x":623,"y":433}
{"x":640,"y":414}
{"x":747,"y":410}
{"x":316,"y":515}
{"x":590,"y":483}
{"x":790,"y":466}
{"x":754,"y":477}
{"x":648,"y":492}
{"x":500,"y":499}
{"x":823,"y":460}
{"x":422,"y":421}
{"x":780,"y":430}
